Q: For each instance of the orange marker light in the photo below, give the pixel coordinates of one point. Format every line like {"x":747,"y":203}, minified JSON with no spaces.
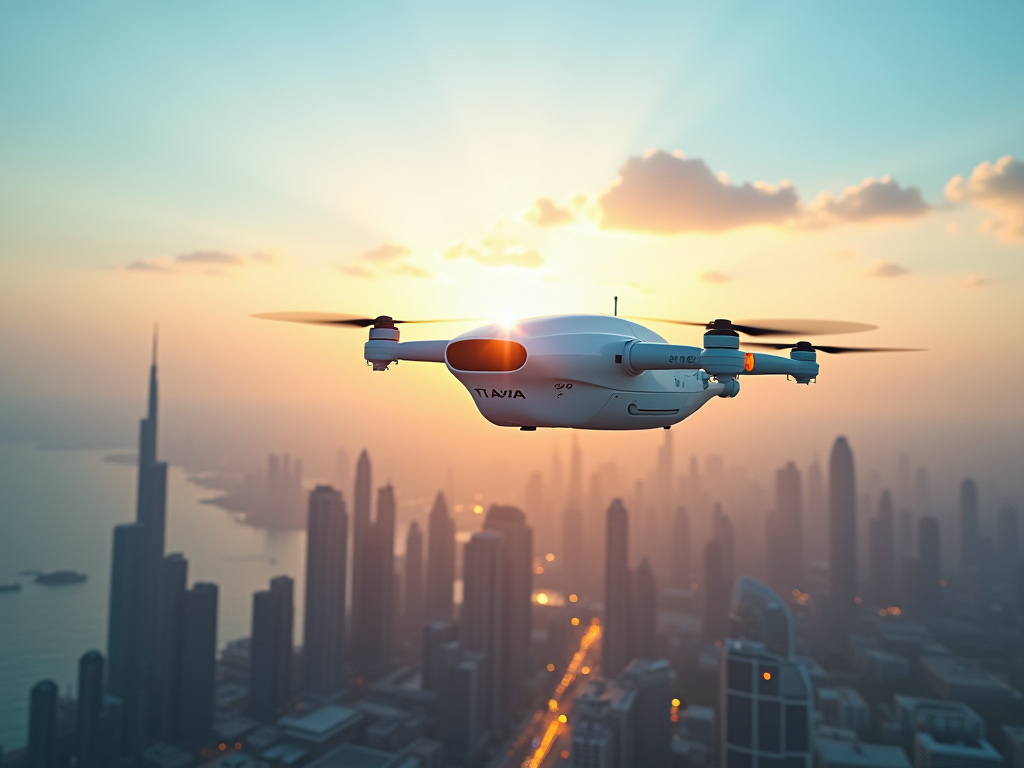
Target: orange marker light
{"x":748,"y":361}
{"x":767,"y":675}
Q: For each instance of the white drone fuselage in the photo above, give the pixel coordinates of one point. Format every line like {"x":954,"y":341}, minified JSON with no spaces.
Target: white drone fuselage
{"x":586,"y":371}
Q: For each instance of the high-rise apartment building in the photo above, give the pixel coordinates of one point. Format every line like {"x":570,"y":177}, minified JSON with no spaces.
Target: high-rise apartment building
{"x":882,"y":554}
{"x":929,"y":564}
{"x":89,"y":747}
{"x":323,"y":652}
{"x":970,"y":526}
{"x":440,"y":562}
{"x":723,"y":532}
{"x":679,"y":557}
{"x":362,"y":508}
{"x":198,"y":664}
{"x":785,"y":535}
{"x":644,"y":604}
{"x":715,"y":594}
{"x":652,"y":681}
{"x":42,"y":725}
{"x":413,"y":602}
{"x":372,"y":626}
{"x":765,"y":695}
{"x":483,"y":609}
{"x":517,"y":589}
{"x":173,"y":588}
{"x":615,"y":630}
{"x":843,"y":538}
{"x":1007,"y":543}
{"x":270,"y":650}
{"x":573,"y":555}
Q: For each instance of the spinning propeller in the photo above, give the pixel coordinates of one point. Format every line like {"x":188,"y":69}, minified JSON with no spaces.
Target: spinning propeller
{"x":806,"y":346}
{"x":774,"y":327}
{"x":329,"y":318}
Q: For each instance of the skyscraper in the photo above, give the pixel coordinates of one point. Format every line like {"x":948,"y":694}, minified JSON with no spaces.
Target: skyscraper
{"x":644,"y":622}
{"x":126,"y":630}
{"x":679,"y":562}
{"x":816,"y":517}
{"x":42,"y":725}
{"x":785,"y":550}
{"x":440,"y":562}
{"x":517,"y":589}
{"x":413,"y":610}
{"x":173,"y":587}
{"x":198,"y":664}
{"x":883,"y":554}
{"x":843,"y":537}
{"x":615,"y":632}
{"x":270,"y":654}
{"x":90,"y":710}
{"x":573,"y":562}
{"x":929,"y":565}
{"x":482,"y":612}
{"x":969,"y":524}
{"x":716,"y":593}
{"x":362,"y":502}
{"x":372,"y":627}
{"x":323,"y":652}
{"x":1007,"y":543}
{"x":134,"y":634}
{"x":652,"y":680}
{"x":725,"y":535}
{"x":765,"y":696}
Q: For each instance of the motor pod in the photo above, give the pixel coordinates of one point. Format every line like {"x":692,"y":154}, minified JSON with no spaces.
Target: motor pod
{"x":721,"y":355}
{"x":730,"y":386}
{"x":803,"y":351}
{"x":382,"y":348}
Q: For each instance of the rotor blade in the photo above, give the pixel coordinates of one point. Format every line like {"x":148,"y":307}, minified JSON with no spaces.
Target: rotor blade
{"x":317,"y":318}
{"x":844,"y":350}
{"x":780,"y":327}
{"x":828,"y":349}
{"x":330,"y":318}
{"x":799,"y":327}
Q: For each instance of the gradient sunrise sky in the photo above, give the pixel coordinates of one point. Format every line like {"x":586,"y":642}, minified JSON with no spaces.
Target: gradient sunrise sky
{"x":194,"y":164}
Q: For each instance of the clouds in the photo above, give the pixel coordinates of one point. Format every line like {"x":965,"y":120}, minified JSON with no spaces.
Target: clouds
{"x":714,"y":276}
{"x":386,"y":259}
{"x":664,"y":194}
{"x":495,"y":251}
{"x":871,"y":200}
{"x":888,"y":269}
{"x":208,"y":262}
{"x":545,"y":213}
{"x":998,"y":189}
{"x":668,"y":194}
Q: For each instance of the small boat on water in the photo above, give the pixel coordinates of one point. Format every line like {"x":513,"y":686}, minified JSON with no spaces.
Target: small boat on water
{"x":13,"y":587}
{"x":60,"y":578}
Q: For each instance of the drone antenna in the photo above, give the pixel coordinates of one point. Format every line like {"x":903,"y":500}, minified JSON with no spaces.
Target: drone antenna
{"x":616,"y":306}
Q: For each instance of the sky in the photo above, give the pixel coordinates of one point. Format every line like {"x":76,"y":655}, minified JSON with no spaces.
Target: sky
{"x":193,"y":165}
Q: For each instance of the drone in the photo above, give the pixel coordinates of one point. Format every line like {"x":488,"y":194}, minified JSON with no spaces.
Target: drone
{"x":597,"y":371}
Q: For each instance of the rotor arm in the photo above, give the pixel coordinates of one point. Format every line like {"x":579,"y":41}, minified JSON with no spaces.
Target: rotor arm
{"x":760,"y":364}
{"x":640,"y":356}
{"x":381,"y":352}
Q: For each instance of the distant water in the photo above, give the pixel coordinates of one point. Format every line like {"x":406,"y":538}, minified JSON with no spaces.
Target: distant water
{"x":58,"y":510}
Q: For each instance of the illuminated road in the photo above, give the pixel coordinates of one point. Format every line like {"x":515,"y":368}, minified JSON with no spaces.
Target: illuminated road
{"x":539,"y":743}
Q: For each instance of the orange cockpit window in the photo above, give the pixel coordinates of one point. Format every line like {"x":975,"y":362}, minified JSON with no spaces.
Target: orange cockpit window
{"x":486,"y":355}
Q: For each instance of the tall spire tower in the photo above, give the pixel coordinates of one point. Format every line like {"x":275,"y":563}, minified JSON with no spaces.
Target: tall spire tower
{"x":134,"y":631}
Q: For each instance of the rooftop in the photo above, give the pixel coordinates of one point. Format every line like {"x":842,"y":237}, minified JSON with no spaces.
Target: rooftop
{"x":320,"y":724}
{"x":855,"y":754}
{"x":973,"y":751}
